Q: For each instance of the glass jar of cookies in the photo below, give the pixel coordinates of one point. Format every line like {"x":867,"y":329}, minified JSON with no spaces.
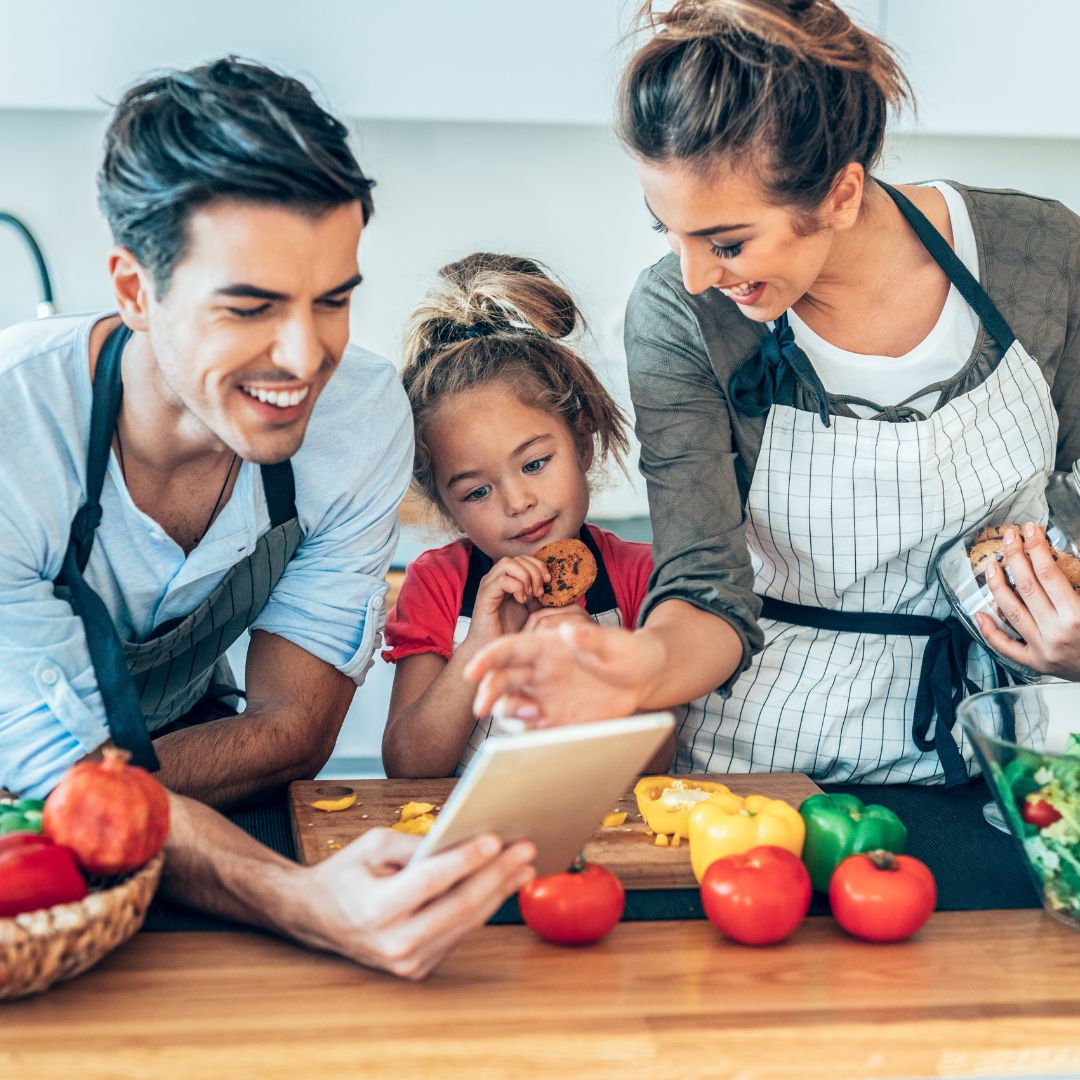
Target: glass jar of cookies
{"x":961,"y":566}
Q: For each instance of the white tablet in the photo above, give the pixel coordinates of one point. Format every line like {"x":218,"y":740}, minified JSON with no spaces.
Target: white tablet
{"x":552,"y":786}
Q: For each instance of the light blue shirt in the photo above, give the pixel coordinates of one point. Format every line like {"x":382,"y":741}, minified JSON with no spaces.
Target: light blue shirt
{"x":351,"y":473}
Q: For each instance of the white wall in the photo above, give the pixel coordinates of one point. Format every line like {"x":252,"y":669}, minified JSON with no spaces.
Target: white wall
{"x":564,"y":193}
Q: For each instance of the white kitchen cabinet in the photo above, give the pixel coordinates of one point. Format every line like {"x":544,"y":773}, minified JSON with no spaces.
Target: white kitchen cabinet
{"x":989,"y":67}
{"x":494,"y":60}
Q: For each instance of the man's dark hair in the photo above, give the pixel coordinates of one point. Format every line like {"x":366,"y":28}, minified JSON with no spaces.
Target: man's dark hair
{"x":229,"y":129}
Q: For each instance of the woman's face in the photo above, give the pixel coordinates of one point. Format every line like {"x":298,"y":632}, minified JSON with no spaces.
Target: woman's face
{"x":729,"y":237}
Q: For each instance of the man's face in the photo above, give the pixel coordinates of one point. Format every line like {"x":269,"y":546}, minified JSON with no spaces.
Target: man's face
{"x":255,"y":320}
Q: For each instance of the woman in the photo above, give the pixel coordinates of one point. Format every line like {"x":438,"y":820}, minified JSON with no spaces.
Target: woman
{"x":833,"y":379}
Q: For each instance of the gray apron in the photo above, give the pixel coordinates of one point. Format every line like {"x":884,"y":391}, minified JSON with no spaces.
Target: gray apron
{"x":148,"y":685}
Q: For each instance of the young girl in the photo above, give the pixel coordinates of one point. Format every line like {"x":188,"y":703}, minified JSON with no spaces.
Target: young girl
{"x":509,"y":420}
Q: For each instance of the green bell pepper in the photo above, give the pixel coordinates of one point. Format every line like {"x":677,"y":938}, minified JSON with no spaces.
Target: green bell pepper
{"x":840,"y":825}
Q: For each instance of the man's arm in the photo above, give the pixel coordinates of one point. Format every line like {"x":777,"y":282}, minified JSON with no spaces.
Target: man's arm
{"x":296,"y":704}
{"x":363,"y":902}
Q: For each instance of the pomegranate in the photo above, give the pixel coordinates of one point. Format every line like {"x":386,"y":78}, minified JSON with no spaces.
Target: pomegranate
{"x":114,"y":817}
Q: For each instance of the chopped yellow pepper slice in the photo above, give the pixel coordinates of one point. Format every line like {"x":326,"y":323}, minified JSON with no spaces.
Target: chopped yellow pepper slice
{"x":665,"y":802}
{"x":661,"y":840}
{"x":330,"y":805}
{"x":418,"y":826}
{"x":616,"y":817}
{"x":724,"y":824}
{"x":414,"y":810}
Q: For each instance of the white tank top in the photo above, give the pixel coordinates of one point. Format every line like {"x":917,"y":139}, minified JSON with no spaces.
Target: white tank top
{"x":888,"y":380}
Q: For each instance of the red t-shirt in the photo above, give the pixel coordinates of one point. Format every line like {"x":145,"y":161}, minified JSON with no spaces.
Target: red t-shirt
{"x":426,"y":613}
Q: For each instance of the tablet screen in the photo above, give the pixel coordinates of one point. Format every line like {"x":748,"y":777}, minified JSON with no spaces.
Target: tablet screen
{"x":552,"y":786}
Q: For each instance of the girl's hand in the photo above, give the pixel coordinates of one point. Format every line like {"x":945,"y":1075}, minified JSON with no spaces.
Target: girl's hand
{"x":582,"y":672}
{"x":546,"y":619}
{"x":506,"y":594}
{"x":1041,"y":606}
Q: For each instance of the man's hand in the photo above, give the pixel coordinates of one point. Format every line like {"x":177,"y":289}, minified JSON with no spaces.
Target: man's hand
{"x":365,"y":903}
{"x":1041,"y":606}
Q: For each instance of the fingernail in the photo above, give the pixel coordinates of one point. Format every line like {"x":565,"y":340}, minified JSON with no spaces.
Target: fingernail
{"x":991,"y":572}
{"x":489,"y":846}
{"x":1029,"y":531}
{"x":526,"y":712}
{"x":1010,"y":536}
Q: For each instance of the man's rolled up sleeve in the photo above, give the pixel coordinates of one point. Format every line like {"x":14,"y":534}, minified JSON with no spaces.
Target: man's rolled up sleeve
{"x":331,"y":600}
{"x":51,"y":713}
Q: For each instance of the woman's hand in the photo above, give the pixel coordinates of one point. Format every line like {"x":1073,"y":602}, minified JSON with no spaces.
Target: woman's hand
{"x":582,"y":672}
{"x":506,"y":595}
{"x":1041,"y":606}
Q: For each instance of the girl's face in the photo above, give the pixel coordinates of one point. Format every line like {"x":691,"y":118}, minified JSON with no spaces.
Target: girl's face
{"x":511,"y":476}
{"x":729,"y":237}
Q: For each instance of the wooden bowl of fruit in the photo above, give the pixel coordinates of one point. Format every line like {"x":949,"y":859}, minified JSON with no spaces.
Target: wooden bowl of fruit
{"x":78,"y":871}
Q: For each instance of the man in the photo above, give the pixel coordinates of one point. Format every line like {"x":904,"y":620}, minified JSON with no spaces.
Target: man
{"x":185,"y":469}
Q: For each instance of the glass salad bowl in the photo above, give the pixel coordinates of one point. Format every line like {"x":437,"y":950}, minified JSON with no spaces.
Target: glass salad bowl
{"x":1027,"y":739}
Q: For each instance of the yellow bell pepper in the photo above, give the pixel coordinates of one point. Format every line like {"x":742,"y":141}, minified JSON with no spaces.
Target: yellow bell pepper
{"x":725,"y":824}
{"x":329,"y":806}
{"x":665,"y":802}
{"x":418,"y":826}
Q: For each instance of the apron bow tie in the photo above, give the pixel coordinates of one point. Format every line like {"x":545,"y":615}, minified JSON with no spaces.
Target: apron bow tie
{"x":770,"y":376}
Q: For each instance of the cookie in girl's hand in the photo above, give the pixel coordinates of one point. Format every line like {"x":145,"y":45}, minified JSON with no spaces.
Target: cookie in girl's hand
{"x":572,"y":568}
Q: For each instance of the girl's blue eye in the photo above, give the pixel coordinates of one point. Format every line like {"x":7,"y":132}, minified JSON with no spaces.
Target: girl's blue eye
{"x":726,"y":251}
{"x":535,"y":465}
{"x":658,"y":226}
{"x":477,"y":494}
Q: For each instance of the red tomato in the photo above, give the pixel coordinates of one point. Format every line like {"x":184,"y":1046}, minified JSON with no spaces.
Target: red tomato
{"x":757,"y":898}
{"x":1038,"y":812}
{"x":879,"y":896}
{"x":577,"y":907}
{"x":36,"y":873}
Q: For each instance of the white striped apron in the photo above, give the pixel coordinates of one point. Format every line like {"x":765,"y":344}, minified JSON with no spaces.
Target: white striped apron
{"x":849,"y":518}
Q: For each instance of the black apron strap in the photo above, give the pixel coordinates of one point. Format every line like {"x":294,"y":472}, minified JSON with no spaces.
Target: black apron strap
{"x":127,"y":728}
{"x":954,"y":269}
{"x":599,"y":598}
{"x":770,"y":375}
{"x":479,"y":565}
{"x":280,"y":489}
{"x":943,"y":681}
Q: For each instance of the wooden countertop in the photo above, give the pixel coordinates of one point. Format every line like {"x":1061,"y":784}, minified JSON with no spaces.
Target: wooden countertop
{"x":993,"y":993}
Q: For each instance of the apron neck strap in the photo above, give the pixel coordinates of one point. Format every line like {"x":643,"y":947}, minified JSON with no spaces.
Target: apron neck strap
{"x":954,"y":269}
{"x":108,"y":392}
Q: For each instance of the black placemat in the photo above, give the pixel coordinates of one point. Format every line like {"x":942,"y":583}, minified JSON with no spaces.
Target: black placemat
{"x":976,"y":866}
{"x":268,"y":823}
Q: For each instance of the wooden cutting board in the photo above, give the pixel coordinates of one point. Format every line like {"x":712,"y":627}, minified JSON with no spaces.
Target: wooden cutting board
{"x":627,"y":849}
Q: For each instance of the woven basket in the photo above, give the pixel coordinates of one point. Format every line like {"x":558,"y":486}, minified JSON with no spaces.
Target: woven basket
{"x":41,"y":947}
